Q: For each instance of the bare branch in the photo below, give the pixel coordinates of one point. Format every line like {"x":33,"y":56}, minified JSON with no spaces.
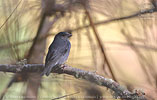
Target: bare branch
{"x":119,"y":91}
{"x":100,"y":44}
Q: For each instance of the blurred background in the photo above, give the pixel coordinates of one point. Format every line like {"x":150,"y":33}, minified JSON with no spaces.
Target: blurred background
{"x":113,"y":38}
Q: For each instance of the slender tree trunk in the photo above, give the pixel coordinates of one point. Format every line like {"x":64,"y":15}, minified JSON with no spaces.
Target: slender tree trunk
{"x":36,"y":55}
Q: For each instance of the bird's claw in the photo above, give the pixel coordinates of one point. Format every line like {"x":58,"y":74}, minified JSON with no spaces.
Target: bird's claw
{"x":63,"y":66}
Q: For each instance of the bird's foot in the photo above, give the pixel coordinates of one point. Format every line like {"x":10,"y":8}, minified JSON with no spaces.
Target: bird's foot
{"x":63,"y":66}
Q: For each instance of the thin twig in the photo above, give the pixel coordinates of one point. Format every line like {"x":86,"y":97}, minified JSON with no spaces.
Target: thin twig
{"x":10,"y":15}
{"x":65,"y":96}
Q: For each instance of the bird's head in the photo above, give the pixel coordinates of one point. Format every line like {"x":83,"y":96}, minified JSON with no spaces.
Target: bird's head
{"x":64,"y":35}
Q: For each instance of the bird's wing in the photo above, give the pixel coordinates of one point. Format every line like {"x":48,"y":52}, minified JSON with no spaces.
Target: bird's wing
{"x":50,"y":56}
{"x":54,"y":55}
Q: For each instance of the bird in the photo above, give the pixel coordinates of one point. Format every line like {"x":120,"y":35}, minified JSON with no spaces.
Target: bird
{"x":58,"y":52}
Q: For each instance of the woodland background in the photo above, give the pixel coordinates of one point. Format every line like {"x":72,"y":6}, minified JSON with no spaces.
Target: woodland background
{"x":114,"y":38}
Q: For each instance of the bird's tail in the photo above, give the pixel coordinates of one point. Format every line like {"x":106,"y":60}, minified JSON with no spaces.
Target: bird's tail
{"x":46,"y":71}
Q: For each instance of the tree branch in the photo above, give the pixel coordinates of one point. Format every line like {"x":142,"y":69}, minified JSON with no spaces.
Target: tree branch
{"x":118,"y":90}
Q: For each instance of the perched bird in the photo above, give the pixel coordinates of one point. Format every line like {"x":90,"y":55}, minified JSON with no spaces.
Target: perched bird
{"x":58,"y":52}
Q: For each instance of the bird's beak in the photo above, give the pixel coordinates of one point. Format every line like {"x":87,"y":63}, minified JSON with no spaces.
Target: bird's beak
{"x":69,"y":35}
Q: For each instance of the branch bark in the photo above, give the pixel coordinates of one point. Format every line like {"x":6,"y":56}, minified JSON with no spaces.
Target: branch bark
{"x":118,"y":90}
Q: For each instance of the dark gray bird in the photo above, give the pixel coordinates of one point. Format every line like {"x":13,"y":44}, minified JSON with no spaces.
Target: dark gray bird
{"x":58,"y":52}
